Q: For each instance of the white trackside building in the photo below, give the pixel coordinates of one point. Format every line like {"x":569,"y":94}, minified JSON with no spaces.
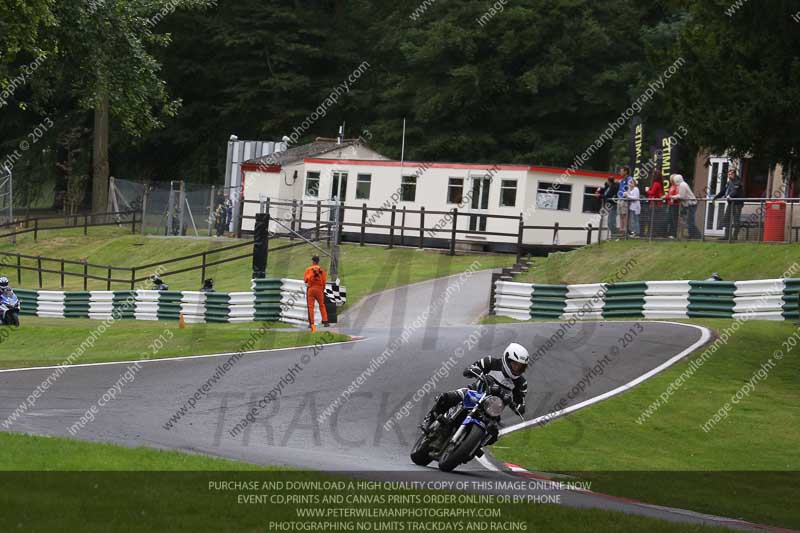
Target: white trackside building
{"x":355,"y":174}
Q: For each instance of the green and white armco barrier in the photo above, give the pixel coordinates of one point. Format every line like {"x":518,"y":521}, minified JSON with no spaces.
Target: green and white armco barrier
{"x":769,"y":299}
{"x":270,"y":300}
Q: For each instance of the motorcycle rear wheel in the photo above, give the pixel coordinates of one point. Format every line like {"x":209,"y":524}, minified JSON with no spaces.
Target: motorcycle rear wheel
{"x":454,"y":456}
{"x":420,"y":453}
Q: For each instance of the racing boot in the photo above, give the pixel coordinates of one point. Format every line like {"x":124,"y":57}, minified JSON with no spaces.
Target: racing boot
{"x":428,"y":421}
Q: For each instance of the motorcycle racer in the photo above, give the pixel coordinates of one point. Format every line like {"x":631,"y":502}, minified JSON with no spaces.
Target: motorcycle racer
{"x":9,"y":304}
{"x":510,"y":367}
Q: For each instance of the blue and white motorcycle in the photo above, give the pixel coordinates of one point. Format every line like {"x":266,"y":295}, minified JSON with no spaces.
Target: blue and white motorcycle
{"x":9,"y":307}
{"x":461,"y":433}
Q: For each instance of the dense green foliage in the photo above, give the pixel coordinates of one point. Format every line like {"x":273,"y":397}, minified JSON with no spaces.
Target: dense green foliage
{"x":535,"y":82}
{"x":740,"y":88}
{"x":21,"y":23}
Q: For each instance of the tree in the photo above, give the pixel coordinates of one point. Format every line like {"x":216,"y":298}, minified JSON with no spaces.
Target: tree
{"x":21,"y":23}
{"x":536,"y":83}
{"x":72,"y":167}
{"x":739,"y":91}
{"x":103,"y":49}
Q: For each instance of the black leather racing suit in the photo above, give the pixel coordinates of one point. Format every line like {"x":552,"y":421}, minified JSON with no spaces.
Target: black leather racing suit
{"x":492,"y":366}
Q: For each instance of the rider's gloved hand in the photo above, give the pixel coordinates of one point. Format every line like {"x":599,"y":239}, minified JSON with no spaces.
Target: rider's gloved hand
{"x":468,"y":372}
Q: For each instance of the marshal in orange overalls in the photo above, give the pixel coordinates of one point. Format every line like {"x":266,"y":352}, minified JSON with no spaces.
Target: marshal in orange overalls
{"x":315,"y":277}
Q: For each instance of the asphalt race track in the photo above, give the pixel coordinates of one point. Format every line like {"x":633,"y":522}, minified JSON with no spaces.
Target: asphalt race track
{"x":294,"y":430}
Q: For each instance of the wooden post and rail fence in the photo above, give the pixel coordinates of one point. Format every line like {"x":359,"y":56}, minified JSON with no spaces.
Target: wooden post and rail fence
{"x":108,"y":275}
{"x":434,"y":229}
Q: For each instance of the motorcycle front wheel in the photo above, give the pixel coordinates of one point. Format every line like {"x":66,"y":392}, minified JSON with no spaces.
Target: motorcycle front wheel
{"x":455,"y":455}
{"x":420,"y":453}
{"x":14,"y":319}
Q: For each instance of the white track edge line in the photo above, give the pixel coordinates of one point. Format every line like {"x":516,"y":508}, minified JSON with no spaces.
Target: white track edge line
{"x":173,"y":359}
{"x":704,"y":337}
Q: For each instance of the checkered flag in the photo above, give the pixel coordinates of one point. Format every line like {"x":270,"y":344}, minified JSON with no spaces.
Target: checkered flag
{"x":336,"y":294}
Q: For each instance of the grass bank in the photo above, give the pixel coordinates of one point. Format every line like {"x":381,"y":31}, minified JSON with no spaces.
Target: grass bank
{"x":363,"y":269}
{"x":650,"y":261}
{"x":49,"y":341}
{"x":650,"y":444}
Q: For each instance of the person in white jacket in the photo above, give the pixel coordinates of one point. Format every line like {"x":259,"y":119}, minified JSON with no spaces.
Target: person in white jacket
{"x":688,"y":205}
{"x":634,"y":208}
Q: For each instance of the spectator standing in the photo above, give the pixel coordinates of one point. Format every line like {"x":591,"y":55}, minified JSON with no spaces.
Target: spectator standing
{"x":219,"y":219}
{"x":644,"y":217}
{"x":228,"y":213}
{"x":688,"y":205}
{"x":634,"y":207}
{"x":655,"y":195}
{"x":610,"y":204}
{"x":623,"y":203}
{"x":733,"y":209}
{"x":673,"y":208}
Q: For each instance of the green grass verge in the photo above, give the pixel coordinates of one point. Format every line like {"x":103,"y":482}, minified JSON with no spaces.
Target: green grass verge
{"x":496,"y":319}
{"x":650,"y":261}
{"x":363,"y":269}
{"x":56,"y":484}
{"x":49,"y":341}
{"x":746,"y":466}
{"x":35,"y":453}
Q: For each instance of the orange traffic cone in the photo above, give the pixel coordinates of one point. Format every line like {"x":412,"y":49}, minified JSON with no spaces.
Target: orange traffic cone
{"x":181,"y":321}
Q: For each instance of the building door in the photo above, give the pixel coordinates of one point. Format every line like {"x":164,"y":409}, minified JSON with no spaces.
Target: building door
{"x":479,"y":203}
{"x":717,"y":181}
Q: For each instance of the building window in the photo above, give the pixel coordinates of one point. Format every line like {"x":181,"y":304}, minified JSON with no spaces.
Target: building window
{"x":312,"y":184}
{"x":508,"y":193}
{"x":755,"y":177}
{"x":455,"y":191}
{"x":591,"y":199}
{"x":408,"y":189}
{"x":363,"y":185}
{"x":339,"y":186}
{"x":553,"y":196}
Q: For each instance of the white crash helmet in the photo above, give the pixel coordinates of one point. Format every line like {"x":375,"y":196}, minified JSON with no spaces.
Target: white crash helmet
{"x":515,"y":353}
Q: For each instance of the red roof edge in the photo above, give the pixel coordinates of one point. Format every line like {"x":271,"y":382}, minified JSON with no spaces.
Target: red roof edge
{"x":257,"y":167}
{"x":411,"y":164}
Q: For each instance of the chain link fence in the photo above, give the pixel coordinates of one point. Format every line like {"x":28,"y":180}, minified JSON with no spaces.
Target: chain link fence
{"x":6,"y":196}
{"x":176,"y":207}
